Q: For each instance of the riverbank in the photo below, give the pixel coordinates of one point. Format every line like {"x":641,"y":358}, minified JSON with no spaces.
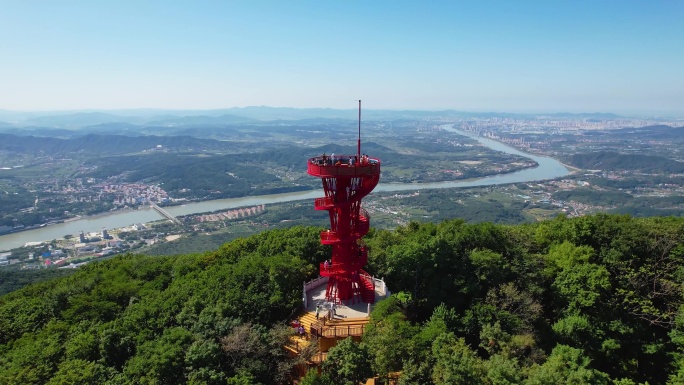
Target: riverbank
{"x":548,"y":168}
{"x":572,"y":169}
{"x":68,"y":220}
{"x":102,"y":214}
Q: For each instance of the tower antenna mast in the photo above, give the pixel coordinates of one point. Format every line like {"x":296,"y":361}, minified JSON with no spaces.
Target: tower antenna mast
{"x":358,"y":149}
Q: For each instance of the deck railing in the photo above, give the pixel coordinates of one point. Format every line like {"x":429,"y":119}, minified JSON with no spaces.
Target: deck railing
{"x":323,"y":279}
{"x":314,"y":283}
{"x":329,"y":236}
{"x":335,"y":331}
{"x":328,"y":269}
{"x":323,"y":202}
{"x":318,"y":167}
{"x":319,"y":357}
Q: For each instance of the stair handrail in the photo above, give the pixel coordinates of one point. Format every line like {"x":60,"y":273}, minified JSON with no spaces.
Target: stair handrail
{"x":364,"y":213}
{"x":368,"y":277}
{"x":294,"y":344}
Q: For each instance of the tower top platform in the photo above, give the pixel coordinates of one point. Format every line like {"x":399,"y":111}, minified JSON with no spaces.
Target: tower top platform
{"x":339,"y":166}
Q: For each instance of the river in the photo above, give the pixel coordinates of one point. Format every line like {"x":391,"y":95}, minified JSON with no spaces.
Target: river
{"x":548,"y":168}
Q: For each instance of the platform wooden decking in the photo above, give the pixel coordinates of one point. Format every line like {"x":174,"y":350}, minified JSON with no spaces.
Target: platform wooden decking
{"x":326,"y":331}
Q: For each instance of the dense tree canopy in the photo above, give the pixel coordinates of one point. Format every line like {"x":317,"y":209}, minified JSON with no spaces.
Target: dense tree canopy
{"x":206,"y":318}
{"x":590,"y":300}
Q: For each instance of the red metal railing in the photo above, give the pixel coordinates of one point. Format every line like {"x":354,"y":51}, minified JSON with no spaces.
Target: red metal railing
{"x":316,"y":167}
{"x":330,"y":269}
{"x":368,"y":277}
{"x":363,"y":257}
{"x":324,"y":203}
{"x":329,"y":237}
{"x":348,"y":220}
{"x":363,"y":213}
{"x":338,"y":268}
{"x":371,"y":282}
{"x":363,"y":224}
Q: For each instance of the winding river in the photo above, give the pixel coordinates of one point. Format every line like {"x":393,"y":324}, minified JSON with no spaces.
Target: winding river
{"x":548,"y":168}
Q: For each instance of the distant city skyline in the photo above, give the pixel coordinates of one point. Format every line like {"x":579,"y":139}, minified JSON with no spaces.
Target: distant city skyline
{"x":623,"y":57}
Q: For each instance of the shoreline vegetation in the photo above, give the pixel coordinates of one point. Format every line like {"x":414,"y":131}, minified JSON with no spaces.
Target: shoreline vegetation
{"x":305,"y":188}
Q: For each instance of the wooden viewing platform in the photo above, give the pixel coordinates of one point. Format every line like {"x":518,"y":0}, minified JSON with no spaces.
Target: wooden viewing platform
{"x":325,"y":331}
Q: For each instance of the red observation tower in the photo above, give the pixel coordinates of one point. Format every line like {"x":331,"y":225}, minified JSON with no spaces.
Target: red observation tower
{"x":346,"y":180}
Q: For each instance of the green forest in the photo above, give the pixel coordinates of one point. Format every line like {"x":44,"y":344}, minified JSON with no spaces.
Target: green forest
{"x":606,"y":160}
{"x":589,"y":300}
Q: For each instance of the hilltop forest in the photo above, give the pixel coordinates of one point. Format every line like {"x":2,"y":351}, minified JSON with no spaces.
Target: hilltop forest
{"x":588,"y":300}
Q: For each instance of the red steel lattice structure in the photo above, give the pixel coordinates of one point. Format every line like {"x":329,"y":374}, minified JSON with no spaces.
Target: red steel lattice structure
{"x":345,"y":183}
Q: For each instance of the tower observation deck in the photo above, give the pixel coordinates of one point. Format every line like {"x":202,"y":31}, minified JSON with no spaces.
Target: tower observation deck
{"x":346,"y":180}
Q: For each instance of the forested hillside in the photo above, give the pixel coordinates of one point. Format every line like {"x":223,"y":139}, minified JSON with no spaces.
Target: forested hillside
{"x":591,"y":300}
{"x":611,"y":161}
{"x":106,"y":144}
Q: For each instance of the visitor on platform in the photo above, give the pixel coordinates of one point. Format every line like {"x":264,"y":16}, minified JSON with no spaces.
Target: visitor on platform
{"x":318,"y":311}
{"x":326,"y":265}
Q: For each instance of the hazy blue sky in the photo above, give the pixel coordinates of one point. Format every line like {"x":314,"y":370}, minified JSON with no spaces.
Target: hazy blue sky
{"x":618,"y":56}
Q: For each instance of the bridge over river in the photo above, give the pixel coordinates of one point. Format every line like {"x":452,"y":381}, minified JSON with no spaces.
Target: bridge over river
{"x":164,"y":213}
{"x":548,"y":168}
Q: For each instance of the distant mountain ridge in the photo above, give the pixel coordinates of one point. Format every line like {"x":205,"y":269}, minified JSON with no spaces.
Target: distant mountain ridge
{"x":79,"y":119}
{"x":106,"y":144}
{"x":235,"y":115}
{"x":202,"y":119}
{"x":658,"y":132}
{"x":585,"y":115}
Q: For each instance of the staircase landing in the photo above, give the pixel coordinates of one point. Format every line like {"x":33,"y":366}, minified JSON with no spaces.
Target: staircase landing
{"x":357,"y":309}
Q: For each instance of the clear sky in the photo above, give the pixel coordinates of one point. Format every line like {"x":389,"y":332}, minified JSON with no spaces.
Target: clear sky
{"x":548,"y":55}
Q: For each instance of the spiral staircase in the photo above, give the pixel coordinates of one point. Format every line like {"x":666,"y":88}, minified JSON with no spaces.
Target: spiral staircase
{"x":346,"y":179}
